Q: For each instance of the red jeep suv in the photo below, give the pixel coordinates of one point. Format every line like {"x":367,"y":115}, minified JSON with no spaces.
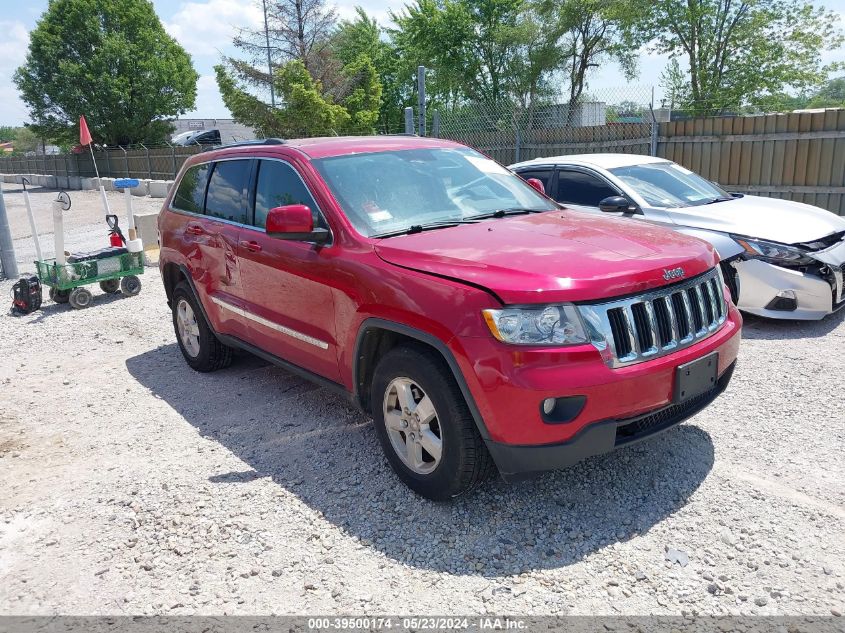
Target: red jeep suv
{"x":479,"y":323}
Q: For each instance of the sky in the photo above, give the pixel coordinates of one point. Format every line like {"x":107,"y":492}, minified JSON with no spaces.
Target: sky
{"x":205,"y":29}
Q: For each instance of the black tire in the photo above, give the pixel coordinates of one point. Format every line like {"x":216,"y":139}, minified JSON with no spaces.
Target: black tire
{"x":110,"y":286}
{"x":465,"y":461}
{"x":80,"y":298}
{"x":213,"y":354}
{"x":59,"y":296}
{"x":130,"y":285}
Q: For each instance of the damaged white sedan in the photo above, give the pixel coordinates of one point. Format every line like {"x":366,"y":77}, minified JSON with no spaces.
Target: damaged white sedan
{"x":781,"y":259}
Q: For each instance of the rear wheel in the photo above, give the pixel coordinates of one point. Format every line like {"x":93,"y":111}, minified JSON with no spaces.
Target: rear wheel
{"x":110,"y":286}
{"x":200,"y":347}
{"x":424,"y":425}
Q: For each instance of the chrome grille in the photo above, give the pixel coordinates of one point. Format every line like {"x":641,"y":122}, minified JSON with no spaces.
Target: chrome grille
{"x":657,"y":323}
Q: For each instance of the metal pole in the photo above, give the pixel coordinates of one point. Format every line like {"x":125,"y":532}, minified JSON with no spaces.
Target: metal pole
{"x":409,"y":121}
{"x":518,"y":148}
{"x":269,"y":57}
{"x":655,"y":127}
{"x":149,"y":162}
{"x":421,"y":95}
{"x":33,"y":227}
{"x":173,"y":158}
{"x":435,"y":124}
{"x":7,"y":248}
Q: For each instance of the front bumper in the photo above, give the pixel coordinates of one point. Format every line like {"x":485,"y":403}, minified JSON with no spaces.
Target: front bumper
{"x":761,"y":282}
{"x":515,"y":462}
{"x":508,"y":384}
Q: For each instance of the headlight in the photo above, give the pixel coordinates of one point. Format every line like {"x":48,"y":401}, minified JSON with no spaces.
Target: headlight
{"x":543,"y":325}
{"x":773,"y":251}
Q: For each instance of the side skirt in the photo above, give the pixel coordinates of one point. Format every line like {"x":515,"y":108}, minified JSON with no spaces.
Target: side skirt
{"x":232,"y":341}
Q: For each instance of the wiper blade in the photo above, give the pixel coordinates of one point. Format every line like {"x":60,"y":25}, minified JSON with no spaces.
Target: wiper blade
{"x":504,"y":212}
{"x":720,"y":199}
{"x":419,"y":228}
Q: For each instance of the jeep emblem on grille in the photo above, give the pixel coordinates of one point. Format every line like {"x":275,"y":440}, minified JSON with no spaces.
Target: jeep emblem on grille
{"x":673,"y":273}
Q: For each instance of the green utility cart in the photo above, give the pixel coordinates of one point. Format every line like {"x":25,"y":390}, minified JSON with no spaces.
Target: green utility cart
{"x":115,"y":273}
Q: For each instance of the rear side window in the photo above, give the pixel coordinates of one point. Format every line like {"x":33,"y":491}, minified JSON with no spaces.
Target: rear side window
{"x":190,"y":195}
{"x":576,"y":187}
{"x":225,"y":198}
{"x":543,"y":175}
{"x":278,"y":185}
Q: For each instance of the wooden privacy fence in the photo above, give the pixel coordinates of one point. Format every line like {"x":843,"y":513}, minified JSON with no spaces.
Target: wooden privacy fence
{"x":798,"y":156}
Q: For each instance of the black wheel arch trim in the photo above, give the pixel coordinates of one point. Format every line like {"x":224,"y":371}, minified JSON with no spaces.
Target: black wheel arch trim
{"x":374,"y":323}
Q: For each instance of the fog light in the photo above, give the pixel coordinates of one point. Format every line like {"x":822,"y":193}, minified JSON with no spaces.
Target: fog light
{"x":561,"y":410}
{"x":784,"y":301}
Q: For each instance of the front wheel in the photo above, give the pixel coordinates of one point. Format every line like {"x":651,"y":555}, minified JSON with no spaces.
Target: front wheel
{"x":130,"y":285}
{"x":80,"y":298}
{"x":59,"y":296}
{"x":424,"y":425}
{"x":200,"y":347}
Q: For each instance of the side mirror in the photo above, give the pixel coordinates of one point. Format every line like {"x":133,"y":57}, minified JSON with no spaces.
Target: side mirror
{"x":617,"y":204}
{"x":294,"y":222}
{"x":537,"y":184}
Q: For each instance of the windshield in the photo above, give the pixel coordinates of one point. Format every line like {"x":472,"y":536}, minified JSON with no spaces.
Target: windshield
{"x":386,"y":192}
{"x":669,"y":185}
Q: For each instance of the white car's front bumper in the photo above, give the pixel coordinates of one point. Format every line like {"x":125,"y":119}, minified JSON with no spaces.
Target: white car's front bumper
{"x":761,"y":283}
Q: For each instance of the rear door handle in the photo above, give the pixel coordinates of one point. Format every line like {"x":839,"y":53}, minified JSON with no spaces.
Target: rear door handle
{"x":193,"y":229}
{"x":253,"y":247}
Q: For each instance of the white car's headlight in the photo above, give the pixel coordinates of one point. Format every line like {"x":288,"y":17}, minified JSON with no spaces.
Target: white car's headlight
{"x":772,"y":251}
{"x":543,"y":325}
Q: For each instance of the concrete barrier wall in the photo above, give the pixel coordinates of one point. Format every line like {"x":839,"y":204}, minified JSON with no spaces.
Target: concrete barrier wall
{"x":143,"y":188}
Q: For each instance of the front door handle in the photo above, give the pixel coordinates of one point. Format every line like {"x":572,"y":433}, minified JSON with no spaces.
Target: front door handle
{"x":193,"y":229}
{"x":252,"y":247}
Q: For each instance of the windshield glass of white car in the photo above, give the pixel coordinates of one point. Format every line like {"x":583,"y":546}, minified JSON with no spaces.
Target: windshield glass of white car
{"x":384,"y":192}
{"x":670,"y":185}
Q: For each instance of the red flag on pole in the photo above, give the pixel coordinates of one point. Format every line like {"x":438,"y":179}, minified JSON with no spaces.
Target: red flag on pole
{"x":84,"y":134}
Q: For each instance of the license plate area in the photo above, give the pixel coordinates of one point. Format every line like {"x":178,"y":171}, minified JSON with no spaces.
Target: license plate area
{"x":695,"y":378}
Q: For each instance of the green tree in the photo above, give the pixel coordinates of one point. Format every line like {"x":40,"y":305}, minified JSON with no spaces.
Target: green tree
{"x":475,"y":48}
{"x":26,"y":140}
{"x":110,"y":60}
{"x":7,"y":133}
{"x":591,"y":32}
{"x":296,"y":30}
{"x":305,"y":110}
{"x":831,"y":95}
{"x":363,"y":37}
{"x":740,"y":51}
{"x":675,"y":84}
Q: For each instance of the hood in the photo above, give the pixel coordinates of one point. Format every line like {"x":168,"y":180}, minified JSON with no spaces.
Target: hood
{"x":552,"y":257}
{"x":771,"y":219}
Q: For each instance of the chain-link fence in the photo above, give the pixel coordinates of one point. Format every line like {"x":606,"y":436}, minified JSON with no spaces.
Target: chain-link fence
{"x":620,"y":120}
{"x":138,"y":161}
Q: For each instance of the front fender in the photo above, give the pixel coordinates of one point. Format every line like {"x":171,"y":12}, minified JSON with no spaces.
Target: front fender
{"x":725,"y":245}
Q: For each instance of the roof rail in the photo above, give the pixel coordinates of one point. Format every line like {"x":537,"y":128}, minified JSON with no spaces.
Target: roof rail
{"x":257,"y":141}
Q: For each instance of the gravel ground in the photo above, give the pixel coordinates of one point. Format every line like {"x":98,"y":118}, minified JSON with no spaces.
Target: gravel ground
{"x":131,"y":485}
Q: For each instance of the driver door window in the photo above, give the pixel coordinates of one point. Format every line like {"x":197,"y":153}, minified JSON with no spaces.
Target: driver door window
{"x":279,"y":185}
{"x":580,"y":188}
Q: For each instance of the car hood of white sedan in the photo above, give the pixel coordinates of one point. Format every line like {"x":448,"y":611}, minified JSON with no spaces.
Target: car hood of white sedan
{"x":771,"y":219}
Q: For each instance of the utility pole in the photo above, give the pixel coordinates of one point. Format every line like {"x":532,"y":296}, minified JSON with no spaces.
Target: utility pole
{"x":269,"y":57}
{"x":421,"y":93}
{"x":7,"y":248}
